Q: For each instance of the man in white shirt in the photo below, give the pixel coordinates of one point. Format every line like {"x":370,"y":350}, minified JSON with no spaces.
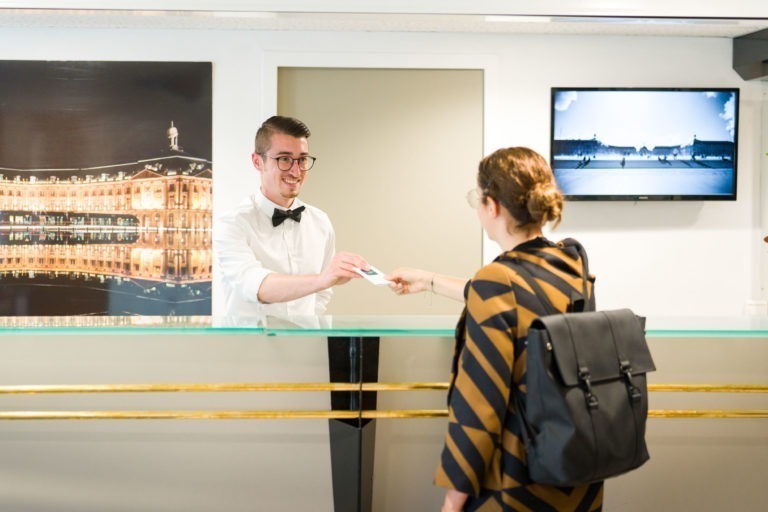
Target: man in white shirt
{"x":276,"y":253}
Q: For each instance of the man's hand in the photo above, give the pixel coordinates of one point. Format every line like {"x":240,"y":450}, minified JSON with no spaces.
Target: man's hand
{"x":342,"y":269}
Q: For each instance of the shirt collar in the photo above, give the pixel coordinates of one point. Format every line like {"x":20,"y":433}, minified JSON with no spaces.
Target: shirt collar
{"x":529,"y":246}
{"x":266,"y":206}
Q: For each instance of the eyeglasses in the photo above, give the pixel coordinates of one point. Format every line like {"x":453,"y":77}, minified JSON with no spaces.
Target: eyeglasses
{"x":285,"y":162}
{"x":473,"y":197}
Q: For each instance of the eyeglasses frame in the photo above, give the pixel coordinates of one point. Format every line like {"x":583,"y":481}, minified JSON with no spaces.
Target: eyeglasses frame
{"x":310,"y":159}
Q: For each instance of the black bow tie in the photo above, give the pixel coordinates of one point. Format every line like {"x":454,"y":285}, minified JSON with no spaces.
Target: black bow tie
{"x":280,"y":215}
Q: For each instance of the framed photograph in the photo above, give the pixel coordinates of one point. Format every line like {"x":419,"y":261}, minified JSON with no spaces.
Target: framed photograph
{"x":105,"y":188}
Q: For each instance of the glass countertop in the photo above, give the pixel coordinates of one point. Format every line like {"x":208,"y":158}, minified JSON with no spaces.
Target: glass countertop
{"x":345,"y":325}
{"x":707,"y":327}
{"x":327,"y":325}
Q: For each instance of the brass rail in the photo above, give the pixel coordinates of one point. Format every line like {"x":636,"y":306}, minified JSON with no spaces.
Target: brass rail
{"x":709,"y":413}
{"x":320,"y":414}
{"x":315,"y":414}
{"x":708,"y":388}
{"x":323,"y":386}
{"x":217,"y":415}
{"x":179,"y":388}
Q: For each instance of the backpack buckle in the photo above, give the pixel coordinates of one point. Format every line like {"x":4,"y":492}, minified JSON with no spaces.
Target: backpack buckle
{"x":592,"y":401}
{"x":634,"y":392}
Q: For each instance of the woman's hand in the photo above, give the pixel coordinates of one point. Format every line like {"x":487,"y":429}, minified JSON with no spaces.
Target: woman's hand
{"x":454,"y":501}
{"x":409,"y":280}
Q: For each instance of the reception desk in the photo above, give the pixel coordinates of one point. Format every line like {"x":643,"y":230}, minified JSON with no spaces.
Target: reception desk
{"x":342,"y":413}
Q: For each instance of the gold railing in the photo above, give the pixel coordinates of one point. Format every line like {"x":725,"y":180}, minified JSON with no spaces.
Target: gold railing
{"x":319,"y":414}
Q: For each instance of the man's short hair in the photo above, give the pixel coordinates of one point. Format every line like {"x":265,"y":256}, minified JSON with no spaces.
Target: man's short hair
{"x":279,"y":124}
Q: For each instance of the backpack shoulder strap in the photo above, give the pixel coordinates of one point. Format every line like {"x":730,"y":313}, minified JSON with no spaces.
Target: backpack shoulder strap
{"x":589,"y":301}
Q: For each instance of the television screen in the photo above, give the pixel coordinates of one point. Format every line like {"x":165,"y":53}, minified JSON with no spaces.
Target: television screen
{"x":645,"y":144}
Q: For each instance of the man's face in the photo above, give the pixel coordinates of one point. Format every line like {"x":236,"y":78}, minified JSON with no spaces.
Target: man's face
{"x":281,"y":187}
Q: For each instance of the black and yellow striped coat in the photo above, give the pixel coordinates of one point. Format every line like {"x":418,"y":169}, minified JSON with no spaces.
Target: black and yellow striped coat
{"x":484,"y":455}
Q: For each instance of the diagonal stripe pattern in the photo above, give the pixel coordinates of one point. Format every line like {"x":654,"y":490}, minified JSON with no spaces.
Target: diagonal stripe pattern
{"x":483,"y":453}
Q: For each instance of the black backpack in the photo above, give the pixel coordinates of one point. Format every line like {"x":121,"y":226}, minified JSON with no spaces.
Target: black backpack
{"x":586,"y":403}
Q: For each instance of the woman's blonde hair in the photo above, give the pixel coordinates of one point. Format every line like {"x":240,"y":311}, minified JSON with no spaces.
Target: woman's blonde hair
{"x":521,"y":180}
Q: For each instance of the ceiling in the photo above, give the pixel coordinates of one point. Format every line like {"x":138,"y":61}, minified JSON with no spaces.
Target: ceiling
{"x":387,"y":22}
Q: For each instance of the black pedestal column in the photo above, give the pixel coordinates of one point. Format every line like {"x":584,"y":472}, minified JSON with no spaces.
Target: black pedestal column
{"x":353,"y":359}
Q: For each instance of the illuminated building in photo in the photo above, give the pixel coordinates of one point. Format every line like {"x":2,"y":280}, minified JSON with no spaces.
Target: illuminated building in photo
{"x":138,"y":229}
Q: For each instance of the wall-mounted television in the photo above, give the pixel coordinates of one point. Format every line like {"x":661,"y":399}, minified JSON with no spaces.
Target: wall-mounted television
{"x":645,"y":143}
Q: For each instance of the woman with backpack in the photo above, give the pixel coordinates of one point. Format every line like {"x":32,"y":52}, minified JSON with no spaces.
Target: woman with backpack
{"x":483,"y":463}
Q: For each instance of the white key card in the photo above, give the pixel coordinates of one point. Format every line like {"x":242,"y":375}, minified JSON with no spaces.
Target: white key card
{"x":374,"y":276}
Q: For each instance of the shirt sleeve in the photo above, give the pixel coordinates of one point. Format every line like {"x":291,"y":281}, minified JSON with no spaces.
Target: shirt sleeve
{"x":479,"y":400}
{"x":240,"y":268}
{"x":323,"y":297}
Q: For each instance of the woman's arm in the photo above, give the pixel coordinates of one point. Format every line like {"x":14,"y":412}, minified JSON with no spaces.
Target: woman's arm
{"x":481,"y":386}
{"x":413,"y":280}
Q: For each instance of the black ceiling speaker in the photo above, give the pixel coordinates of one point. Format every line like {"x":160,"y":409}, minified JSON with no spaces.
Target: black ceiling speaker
{"x":750,"y":55}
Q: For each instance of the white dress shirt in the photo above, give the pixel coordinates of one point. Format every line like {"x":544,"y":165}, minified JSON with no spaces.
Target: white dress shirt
{"x":248,"y":248}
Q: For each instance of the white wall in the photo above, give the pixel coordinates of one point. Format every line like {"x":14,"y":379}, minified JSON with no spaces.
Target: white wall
{"x":659,"y":258}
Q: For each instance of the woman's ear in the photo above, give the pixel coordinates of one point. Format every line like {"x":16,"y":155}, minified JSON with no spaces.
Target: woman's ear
{"x":494,"y":208}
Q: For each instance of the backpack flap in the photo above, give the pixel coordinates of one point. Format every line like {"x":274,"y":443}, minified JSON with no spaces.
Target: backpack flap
{"x":586,"y":401}
{"x":599,"y":342}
